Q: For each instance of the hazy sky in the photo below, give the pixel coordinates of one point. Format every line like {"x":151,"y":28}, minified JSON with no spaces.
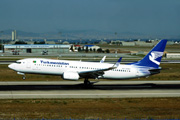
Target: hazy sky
{"x":141,"y":16}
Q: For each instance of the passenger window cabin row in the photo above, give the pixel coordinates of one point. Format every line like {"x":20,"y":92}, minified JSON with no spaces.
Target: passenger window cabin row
{"x":90,"y":68}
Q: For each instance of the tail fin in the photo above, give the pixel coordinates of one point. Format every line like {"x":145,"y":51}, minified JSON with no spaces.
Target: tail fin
{"x":153,"y":58}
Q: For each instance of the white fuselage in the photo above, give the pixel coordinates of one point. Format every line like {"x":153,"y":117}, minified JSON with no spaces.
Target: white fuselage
{"x":59,"y":67}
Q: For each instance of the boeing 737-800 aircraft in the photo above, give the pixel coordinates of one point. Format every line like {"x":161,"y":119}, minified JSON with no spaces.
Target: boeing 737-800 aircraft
{"x":74,"y":70}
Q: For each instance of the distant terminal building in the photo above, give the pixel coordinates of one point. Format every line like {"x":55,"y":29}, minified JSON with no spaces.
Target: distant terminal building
{"x":146,"y":44}
{"x":123,"y":43}
{"x":172,"y":55}
{"x":149,"y":43}
{"x":102,"y":42}
{"x":76,"y":47}
{"x":37,"y":48}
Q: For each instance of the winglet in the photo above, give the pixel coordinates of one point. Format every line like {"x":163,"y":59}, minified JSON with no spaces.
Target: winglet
{"x":103,"y":59}
{"x":117,"y":63}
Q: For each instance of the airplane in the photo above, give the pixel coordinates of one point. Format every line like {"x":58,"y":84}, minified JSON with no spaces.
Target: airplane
{"x":74,"y":70}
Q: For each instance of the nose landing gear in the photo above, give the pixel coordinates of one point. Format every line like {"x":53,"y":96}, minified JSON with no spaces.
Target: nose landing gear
{"x":24,"y":76}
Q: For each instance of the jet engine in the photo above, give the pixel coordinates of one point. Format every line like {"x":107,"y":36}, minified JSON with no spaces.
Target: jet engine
{"x":70,"y":76}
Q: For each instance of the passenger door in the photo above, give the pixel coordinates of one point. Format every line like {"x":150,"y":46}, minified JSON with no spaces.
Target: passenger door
{"x":28,"y":64}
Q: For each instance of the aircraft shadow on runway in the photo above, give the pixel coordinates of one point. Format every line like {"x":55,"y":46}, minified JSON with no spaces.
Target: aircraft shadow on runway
{"x":90,"y":87}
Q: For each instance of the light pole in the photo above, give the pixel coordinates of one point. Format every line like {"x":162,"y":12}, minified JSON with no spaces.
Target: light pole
{"x":1,"y":42}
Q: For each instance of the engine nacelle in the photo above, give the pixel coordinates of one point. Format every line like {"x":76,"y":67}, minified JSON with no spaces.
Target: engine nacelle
{"x":70,"y":76}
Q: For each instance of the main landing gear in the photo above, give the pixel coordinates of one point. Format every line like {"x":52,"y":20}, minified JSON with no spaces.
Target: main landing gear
{"x":87,"y":82}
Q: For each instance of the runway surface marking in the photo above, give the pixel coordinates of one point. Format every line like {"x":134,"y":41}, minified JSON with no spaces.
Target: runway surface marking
{"x":88,"y":94}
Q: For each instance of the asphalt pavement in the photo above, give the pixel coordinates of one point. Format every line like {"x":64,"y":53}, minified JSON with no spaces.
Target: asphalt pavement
{"x":76,"y":89}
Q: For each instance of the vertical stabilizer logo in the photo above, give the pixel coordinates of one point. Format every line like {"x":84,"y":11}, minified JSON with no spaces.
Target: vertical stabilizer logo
{"x":154,"y":55}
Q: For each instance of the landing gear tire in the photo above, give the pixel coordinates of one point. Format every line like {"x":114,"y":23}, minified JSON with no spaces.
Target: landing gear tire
{"x":87,"y":82}
{"x":24,"y":77}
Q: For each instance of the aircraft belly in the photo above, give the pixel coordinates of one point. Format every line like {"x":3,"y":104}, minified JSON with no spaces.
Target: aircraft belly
{"x":43,"y":71}
{"x":118,"y":75}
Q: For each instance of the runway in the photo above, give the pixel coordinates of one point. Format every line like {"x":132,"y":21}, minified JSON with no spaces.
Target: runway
{"x":76,"y":89}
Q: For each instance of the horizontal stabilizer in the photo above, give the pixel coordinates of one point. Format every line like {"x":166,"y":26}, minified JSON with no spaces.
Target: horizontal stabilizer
{"x":154,"y":71}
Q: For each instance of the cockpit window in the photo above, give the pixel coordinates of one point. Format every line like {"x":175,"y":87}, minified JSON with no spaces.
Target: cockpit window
{"x":18,"y":62}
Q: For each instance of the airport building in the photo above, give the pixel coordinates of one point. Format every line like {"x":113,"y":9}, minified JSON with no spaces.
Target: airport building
{"x":37,"y":48}
{"x":91,"y":47}
{"x":14,"y":37}
{"x":151,"y":43}
{"x":173,"y":55}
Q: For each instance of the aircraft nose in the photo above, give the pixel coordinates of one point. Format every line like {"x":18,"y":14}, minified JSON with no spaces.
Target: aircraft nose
{"x":11,"y":66}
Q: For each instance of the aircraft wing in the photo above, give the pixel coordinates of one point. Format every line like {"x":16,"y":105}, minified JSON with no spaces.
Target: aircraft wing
{"x":94,"y":73}
{"x":98,"y":72}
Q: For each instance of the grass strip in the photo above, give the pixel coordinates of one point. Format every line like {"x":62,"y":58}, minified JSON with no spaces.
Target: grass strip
{"x":127,"y":108}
